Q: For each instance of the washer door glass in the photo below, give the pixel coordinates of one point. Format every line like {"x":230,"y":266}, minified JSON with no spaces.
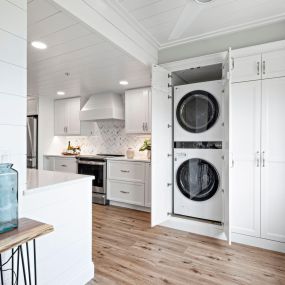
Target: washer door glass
{"x":197,"y":111}
{"x":197,"y":179}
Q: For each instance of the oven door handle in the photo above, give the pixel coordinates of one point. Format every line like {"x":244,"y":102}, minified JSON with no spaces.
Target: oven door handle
{"x":91,"y":162}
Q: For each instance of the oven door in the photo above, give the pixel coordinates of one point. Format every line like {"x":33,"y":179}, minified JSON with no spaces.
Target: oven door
{"x":97,"y":169}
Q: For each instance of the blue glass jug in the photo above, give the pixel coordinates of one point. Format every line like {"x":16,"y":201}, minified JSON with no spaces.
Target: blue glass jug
{"x":8,"y":198}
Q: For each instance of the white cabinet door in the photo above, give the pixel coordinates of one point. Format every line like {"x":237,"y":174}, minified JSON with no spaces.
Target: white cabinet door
{"x":32,"y":107}
{"x":73,"y":110}
{"x":246,"y":68}
{"x":136,"y":111}
{"x":227,"y":144}
{"x":147,"y":195}
{"x":66,"y":117}
{"x":60,"y":117}
{"x":273,"y":160}
{"x":161,"y":170}
{"x":65,"y":164}
{"x":245,"y":149}
{"x":273,"y":64}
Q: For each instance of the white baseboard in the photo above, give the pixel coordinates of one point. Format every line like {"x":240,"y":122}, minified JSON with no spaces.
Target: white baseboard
{"x":129,"y":206}
{"x":259,"y":242}
{"x":195,"y":227}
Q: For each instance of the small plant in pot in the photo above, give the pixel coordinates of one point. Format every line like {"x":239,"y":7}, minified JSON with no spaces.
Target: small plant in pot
{"x":146,"y":146}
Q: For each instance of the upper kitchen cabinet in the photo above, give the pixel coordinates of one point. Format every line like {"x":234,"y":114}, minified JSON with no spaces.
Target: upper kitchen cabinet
{"x":32,"y":106}
{"x":66,"y":117}
{"x":258,"y":66}
{"x":246,"y":68}
{"x":138,"y":111}
{"x":273,"y":64}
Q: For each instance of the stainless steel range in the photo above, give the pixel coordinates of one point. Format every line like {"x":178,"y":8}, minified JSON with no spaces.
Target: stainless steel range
{"x":96,"y":165}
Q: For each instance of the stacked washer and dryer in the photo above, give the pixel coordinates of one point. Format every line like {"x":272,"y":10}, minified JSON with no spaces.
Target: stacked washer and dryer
{"x":198,"y":157}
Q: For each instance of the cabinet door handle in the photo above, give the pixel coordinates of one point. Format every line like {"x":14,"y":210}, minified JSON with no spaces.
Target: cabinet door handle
{"x":143,"y":127}
{"x":263,"y":159}
{"x":257,"y":159}
{"x":169,"y":184}
{"x":125,"y":171}
{"x":146,"y":127}
{"x":258,"y":68}
{"x":264,"y":67}
{"x":63,"y":165}
{"x":125,"y":192}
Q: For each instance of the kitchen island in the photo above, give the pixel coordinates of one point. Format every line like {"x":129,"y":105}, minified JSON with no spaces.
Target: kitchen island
{"x":65,"y":201}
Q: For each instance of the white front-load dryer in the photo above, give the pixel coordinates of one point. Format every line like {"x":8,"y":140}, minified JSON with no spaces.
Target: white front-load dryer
{"x":198,"y":112}
{"x":198,"y":179}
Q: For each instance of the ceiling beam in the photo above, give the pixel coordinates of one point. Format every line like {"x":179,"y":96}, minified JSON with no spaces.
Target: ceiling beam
{"x":105,"y":18}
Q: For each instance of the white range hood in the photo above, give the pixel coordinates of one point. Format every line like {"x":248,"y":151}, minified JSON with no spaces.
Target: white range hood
{"x":104,"y":106}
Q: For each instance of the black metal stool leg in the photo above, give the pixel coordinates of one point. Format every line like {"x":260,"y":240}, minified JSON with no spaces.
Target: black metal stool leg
{"x":1,"y":270}
{"x":18,"y":261}
{"x":12,"y":266}
{"x":35,"y":261}
{"x":23,"y":265}
{"x":28,"y":260}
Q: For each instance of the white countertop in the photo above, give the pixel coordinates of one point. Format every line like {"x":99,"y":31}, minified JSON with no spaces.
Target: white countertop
{"x":62,"y":155}
{"x":123,"y":158}
{"x":135,"y":159}
{"x":43,"y":179}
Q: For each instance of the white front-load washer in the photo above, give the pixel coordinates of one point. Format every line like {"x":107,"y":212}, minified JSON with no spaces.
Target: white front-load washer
{"x":197,"y":187}
{"x":198,"y":112}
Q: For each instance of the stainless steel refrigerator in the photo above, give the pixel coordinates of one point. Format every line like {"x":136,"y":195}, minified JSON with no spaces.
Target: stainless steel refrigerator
{"x":32,"y":142}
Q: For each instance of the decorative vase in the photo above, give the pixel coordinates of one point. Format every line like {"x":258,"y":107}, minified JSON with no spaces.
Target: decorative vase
{"x":148,"y":154}
{"x":8,"y":198}
{"x":130,"y":153}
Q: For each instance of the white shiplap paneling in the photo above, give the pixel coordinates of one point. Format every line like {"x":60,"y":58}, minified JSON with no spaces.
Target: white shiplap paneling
{"x":94,"y":63}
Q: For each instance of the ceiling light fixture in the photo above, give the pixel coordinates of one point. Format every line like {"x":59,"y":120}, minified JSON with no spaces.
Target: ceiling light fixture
{"x":124,"y":82}
{"x":39,"y":45}
{"x":203,"y":1}
{"x":61,"y":93}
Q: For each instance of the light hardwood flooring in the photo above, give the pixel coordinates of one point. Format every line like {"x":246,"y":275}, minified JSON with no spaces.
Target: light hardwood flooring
{"x":127,"y":251}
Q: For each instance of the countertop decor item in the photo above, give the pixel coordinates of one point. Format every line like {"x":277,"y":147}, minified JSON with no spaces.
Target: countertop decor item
{"x":72,"y":150}
{"x":8,"y":197}
{"x":130,"y":153}
{"x":146,"y":146}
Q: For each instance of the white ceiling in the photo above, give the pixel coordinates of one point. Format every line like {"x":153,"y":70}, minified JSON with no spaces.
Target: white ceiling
{"x":173,"y":22}
{"x":95,"y":64}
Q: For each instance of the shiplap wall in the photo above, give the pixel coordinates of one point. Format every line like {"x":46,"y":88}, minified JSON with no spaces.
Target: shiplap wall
{"x":13,"y":85}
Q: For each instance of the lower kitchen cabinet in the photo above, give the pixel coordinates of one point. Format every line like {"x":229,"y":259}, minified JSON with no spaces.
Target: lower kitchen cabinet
{"x":61,"y":164}
{"x":129,"y":182}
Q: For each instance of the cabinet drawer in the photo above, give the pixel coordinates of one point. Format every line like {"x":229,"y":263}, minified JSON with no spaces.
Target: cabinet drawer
{"x":65,"y":165}
{"x":126,"y":192}
{"x":127,"y":171}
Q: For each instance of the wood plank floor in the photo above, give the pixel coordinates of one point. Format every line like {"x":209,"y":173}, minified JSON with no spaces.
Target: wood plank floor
{"x":127,"y":251}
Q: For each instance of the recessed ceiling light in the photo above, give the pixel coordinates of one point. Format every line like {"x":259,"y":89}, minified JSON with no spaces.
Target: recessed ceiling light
{"x":60,"y":93}
{"x":203,"y":1}
{"x":124,"y":82}
{"x":39,"y":45}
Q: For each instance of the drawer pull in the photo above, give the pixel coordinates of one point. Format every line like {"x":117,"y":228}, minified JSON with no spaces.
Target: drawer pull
{"x":63,"y":165}
{"x":125,"y":171}
{"x":125,"y":192}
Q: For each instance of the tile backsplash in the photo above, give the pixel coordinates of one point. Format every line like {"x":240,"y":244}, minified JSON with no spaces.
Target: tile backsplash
{"x":108,"y":137}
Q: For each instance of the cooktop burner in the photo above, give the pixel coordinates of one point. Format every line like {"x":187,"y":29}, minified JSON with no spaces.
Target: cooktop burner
{"x":109,"y":155}
{"x":98,"y":156}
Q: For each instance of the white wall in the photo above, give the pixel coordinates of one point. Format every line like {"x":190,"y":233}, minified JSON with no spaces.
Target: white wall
{"x":13,"y":85}
{"x":46,"y":126}
{"x":250,"y":37}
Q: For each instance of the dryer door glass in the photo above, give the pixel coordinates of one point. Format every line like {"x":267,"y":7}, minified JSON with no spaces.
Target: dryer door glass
{"x":197,"y":111}
{"x":197,"y":179}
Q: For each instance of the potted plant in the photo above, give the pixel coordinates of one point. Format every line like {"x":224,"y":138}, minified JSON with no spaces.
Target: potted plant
{"x":146,"y":146}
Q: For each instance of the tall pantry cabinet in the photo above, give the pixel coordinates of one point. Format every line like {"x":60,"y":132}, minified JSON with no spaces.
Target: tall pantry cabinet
{"x":258,"y":145}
